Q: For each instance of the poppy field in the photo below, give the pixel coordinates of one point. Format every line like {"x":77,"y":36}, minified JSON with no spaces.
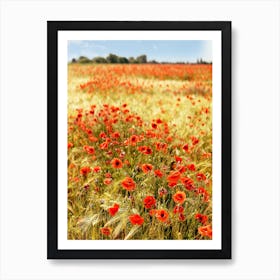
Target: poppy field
{"x":139,"y":151}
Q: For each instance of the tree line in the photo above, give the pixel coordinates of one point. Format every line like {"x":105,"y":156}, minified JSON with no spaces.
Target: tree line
{"x":141,"y":59}
{"x":112,"y":58}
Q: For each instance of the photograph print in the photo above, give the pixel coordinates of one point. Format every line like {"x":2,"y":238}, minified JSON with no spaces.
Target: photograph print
{"x":139,"y":117}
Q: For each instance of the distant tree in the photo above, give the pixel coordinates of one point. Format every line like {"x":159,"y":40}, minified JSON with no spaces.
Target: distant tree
{"x":153,"y":62}
{"x":132,"y":60}
{"x":123,"y":60}
{"x":201,"y":61}
{"x":84,"y":59}
{"x":141,"y":59}
{"x":99,"y":59}
{"x":112,"y":58}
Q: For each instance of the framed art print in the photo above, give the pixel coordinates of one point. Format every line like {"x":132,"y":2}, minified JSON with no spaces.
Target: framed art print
{"x":139,"y":140}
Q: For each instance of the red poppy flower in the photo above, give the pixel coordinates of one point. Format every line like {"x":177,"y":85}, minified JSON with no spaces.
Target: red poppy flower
{"x":204,"y":193}
{"x":133,"y":139}
{"x":136,"y":219}
{"x":70,"y":145}
{"x":191,"y":167}
{"x":148,"y":151}
{"x":116,"y":163}
{"x":116,"y":135}
{"x":162,"y":215}
{"x":113,"y":210}
{"x":174,"y":177}
{"x":205,"y":231}
{"x":105,"y":231}
{"x":158,"y":173}
{"x":206,"y":197}
{"x":161,"y":146}
{"x":96,"y":169}
{"x":172,"y":184}
{"x":201,"y":218}
{"x":194,"y":140}
{"x":154,"y":125}
{"x":146,"y":168}
{"x":85,"y":170}
{"x":145,"y":150}
{"x":178,"y":159}
{"x":169,"y":139}
{"x":93,"y":139}
{"x":200,"y":177}
{"x":128,"y":184}
{"x":102,"y":135}
{"x":150,"y":134}
{"x":182,"y":217}
{"x":141,"y":148}
{"x":179,"y":197}
{"x":149,"y":202}
{"x":186,"y":147}
{"x":103,"y":146}
{"x":182,"y":169}
{"x":178,"y":209}
{"x":107,"y":181}
{"x":188,"y":183}
{"x":90,"y":150}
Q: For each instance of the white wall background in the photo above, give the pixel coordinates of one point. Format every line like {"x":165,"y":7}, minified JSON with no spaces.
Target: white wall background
{"x":255,"y":139}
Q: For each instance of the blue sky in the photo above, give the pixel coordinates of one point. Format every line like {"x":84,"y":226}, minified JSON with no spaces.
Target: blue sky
{"x":169,"y":50}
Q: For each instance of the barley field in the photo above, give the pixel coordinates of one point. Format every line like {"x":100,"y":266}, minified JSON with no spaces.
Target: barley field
{"x":139,"y":151}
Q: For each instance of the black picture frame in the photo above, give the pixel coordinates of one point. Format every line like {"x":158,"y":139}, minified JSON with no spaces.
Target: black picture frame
{"x":53,"y":27}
